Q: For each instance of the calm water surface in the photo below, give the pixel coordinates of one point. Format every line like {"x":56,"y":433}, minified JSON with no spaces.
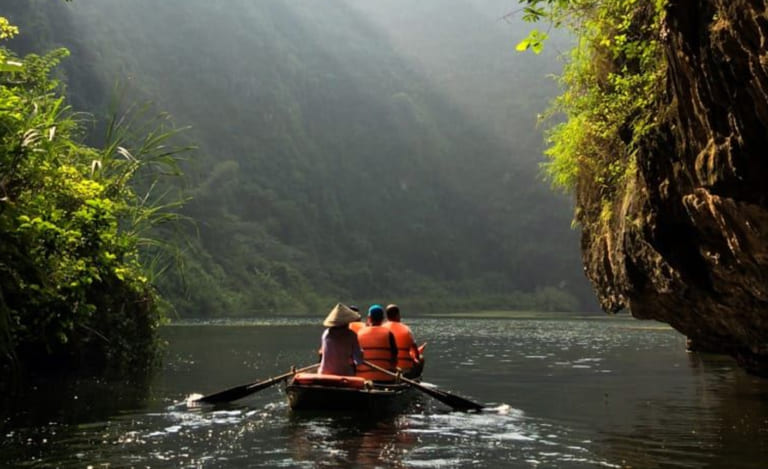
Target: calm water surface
{"x":563,"y":393}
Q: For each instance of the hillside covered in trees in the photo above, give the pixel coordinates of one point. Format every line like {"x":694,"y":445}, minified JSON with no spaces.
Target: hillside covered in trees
{"x":356,"y":152}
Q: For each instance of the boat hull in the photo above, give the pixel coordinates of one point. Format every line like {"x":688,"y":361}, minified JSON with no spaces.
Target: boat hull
{"x":310,"y":391}
{"x":377,"y":398}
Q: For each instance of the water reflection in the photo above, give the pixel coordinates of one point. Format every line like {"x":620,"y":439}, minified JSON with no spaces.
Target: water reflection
{"x":42,"y":421}
{"x":716,"y":416}
{"x":347,"y":441}
{"x":502,"y":436}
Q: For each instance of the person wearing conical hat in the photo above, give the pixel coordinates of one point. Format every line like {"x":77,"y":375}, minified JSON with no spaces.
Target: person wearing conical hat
{"x":340,"y":349}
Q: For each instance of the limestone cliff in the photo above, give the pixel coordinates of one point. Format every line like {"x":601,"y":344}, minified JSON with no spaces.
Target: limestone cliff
{"x":687,"y":242}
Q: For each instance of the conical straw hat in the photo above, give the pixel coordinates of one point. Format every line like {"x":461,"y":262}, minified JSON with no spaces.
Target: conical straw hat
{"x":340,"y":315}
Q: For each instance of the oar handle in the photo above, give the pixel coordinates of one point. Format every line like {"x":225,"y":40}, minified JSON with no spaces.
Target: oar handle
{"x":390,"y":373}
{"x":239,"y":392}
{"x":284,"y":376}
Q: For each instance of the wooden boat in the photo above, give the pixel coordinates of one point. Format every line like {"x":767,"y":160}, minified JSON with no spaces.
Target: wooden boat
{"x":313,"y":391}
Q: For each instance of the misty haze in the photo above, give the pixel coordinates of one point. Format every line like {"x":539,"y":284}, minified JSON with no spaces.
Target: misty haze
{"x":356,"y":151}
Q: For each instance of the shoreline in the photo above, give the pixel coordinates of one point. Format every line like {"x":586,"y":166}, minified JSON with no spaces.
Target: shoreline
{"x":487,"y":314}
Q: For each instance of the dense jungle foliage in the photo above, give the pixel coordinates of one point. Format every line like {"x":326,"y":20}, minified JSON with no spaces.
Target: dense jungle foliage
{"x":345,"y":153}
{"x":73,"y":291}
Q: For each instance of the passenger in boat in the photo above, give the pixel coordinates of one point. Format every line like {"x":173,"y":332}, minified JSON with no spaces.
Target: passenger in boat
{"x":340,"y":349}
{"x":379,"y":346}
{"x":407,"y":351}
{"x":356,"y":325}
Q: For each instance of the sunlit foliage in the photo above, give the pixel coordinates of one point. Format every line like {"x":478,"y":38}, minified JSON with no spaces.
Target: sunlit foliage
{"x":72,"y":289}
{"x":611,"y":85}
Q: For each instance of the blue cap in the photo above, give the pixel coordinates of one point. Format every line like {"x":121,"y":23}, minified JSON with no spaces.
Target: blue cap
{"x":376,"y":313}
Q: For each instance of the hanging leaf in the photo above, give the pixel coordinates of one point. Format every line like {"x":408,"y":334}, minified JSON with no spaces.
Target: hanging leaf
{"x":523,"y":45}
{"x":534,"y":41}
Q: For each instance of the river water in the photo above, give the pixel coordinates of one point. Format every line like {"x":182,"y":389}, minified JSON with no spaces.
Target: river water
{"x":562,"y":393}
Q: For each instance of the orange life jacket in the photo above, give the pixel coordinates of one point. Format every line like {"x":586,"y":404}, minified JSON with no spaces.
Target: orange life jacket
{"x":374,"y":340}
{"x":407,"y":353}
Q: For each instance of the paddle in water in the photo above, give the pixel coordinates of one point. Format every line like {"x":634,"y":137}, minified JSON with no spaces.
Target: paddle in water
{"x":454,"y":401}
{"x":239,"y":392}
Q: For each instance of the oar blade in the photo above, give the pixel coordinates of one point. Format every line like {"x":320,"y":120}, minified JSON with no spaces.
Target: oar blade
{"x":228,"y":395}
{"x":239,"y":392}
{"x":460,"y":403}
{"x":454,"y":401}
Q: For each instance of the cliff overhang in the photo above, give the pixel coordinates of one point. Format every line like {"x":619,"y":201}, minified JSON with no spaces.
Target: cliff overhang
{"x":686,"y":242}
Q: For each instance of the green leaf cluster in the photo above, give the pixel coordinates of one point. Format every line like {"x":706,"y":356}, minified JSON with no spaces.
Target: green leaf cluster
{"x":7,"y":31}
{"x":73,"y":291}
{"x":611,"y":87}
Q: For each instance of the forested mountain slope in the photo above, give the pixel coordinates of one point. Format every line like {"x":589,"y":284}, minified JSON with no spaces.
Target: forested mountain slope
{"x":332,"y":164}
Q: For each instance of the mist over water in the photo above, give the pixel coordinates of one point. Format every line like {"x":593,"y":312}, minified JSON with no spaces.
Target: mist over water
{"x":570,"y":393}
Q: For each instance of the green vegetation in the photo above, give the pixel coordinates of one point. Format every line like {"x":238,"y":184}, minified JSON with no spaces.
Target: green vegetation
{"x":329,"y":167}
{"x":332,"y":167}
{"x":612,"y":84}
{"x":501,"y":314}
{"x":73,"y":292}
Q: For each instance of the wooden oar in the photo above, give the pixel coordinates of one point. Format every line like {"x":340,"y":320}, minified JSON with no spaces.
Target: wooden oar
{"x":239,"y":392}
{"x":454,"y":401}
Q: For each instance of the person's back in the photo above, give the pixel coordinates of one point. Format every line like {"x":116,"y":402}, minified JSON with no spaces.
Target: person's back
{"x":379,"y":347}
{"x":340,"y":349}
{"x":407,"y":351}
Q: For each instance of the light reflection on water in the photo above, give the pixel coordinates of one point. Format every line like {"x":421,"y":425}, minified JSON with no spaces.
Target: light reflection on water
{"x":421,"y":438}
{"x":562,"y":393}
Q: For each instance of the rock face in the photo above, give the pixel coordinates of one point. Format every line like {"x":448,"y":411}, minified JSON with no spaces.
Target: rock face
{"x":688,"y":242}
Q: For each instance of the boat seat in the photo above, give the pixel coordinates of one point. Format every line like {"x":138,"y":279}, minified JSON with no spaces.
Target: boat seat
{"x":317,"y":379}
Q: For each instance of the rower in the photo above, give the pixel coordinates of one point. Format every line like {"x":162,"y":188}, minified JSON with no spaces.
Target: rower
{"x":407,"y":351}
{"x":379,"y":346}
{"x":340,"y":349}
